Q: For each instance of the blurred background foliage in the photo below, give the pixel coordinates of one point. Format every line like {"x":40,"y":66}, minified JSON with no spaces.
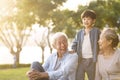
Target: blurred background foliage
{"x":44,"y":12}
{"x":22,"y":14}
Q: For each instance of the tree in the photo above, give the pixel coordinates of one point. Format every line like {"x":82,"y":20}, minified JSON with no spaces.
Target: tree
{"x":24,"y":13}
{"x":107,"y":12}
{"x":14,"y":39}
{"x":36,"y":11}
{"x":42,"y":40}
{"x":65,"y":21}
{"x":30,"y":12}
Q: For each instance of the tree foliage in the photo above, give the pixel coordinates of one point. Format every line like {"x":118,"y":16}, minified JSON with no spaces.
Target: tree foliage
{"x":25,"y":14}
{"x":36,"y":11}
{"x":44,"y":12}
{"x":107,"y":12}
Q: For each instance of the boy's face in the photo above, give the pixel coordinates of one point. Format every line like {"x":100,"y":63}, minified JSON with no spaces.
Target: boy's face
{"x":88,"y":22}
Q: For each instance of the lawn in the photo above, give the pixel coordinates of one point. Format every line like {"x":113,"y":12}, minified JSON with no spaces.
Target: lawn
{"x":13,"y":74}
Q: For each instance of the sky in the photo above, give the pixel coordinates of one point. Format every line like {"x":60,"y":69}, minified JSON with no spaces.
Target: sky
{"x":70,"y":4}
{"x":73,"y":4}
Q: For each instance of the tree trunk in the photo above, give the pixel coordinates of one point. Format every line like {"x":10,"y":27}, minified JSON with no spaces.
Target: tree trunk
{"x":42,"y":54}
{"x":16,"y":60}
{"x":48,"y":40}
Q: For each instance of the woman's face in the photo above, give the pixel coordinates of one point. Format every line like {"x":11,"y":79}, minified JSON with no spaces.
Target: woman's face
{"x":103,"y":42}
{"x":61,"y":45}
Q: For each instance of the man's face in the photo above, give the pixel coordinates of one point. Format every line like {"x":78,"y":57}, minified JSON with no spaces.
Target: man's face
{"x":61,"y":45}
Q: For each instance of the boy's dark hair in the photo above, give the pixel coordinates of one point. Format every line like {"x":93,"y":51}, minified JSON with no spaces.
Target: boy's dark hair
{"x":88,"y":13}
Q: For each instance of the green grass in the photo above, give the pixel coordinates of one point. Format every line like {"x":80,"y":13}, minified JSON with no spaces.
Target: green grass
{"x":16,"y":74}
{"x":13,"y":74}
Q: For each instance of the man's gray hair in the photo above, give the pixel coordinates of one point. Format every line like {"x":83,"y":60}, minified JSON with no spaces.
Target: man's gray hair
{"x":56,"y":36}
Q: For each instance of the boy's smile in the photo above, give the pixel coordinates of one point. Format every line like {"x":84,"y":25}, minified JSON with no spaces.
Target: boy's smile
{"x":88,"y":22}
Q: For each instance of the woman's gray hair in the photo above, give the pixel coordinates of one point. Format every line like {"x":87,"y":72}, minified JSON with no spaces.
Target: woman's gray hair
{"x":56,"y":36}
{"x":110,"y":34}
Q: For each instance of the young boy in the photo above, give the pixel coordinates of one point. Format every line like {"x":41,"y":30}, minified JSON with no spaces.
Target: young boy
{"x":86,"y":46}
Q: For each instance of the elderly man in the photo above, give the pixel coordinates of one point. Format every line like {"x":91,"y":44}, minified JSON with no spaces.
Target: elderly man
{"x":60,"y":65}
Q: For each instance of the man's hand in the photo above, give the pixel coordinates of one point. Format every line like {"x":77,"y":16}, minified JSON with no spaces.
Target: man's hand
{"x":34,"y":74}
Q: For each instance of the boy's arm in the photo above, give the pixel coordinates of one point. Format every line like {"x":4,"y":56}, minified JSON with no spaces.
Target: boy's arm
{"x":74,"y":45}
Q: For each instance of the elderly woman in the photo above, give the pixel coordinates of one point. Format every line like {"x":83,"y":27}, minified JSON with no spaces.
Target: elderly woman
{"x":59,"y":66}
{"x":108,"y":65}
